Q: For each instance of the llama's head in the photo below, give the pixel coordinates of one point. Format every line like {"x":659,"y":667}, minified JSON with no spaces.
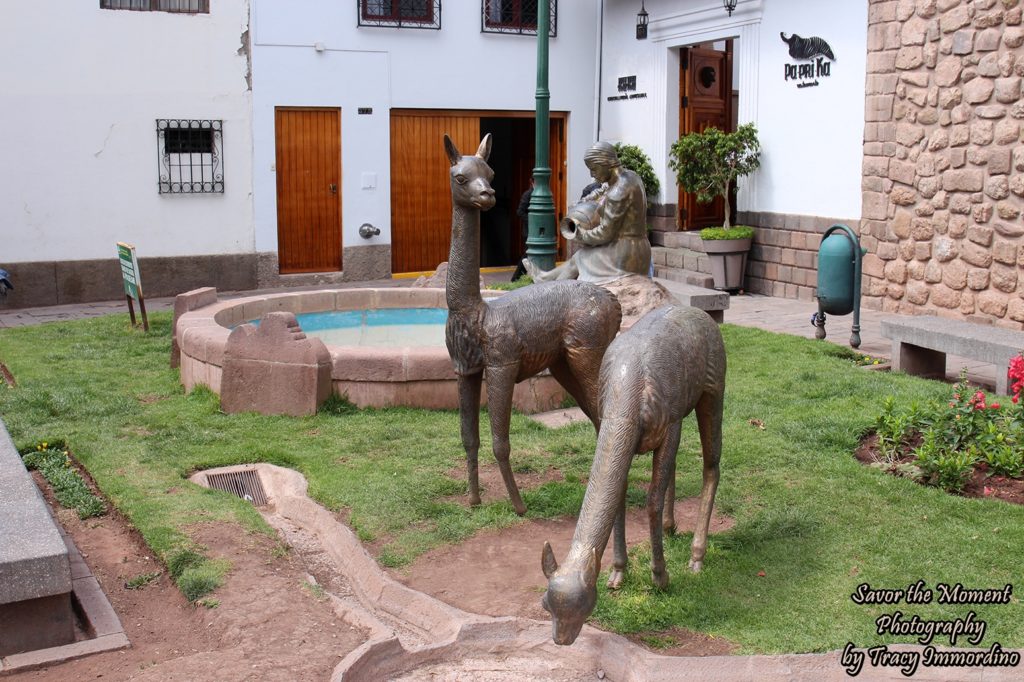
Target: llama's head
{"x":571,"y":595}
{"x":471,"y":176}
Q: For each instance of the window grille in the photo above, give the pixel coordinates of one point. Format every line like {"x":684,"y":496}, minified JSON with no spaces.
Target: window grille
{"x":190,"y":154}
{"x":516,"y":16}
{"x":176,"y":6}
{"x":400,"y":13}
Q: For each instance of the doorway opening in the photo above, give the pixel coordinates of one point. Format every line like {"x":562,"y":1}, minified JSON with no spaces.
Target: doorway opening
{"x":420,"y":192}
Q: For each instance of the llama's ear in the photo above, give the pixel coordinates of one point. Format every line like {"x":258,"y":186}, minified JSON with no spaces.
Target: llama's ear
{"x":484,"y":151}
{"x":590,"y":569}
{"x":547,"y":561}
{"x":450,"y":149}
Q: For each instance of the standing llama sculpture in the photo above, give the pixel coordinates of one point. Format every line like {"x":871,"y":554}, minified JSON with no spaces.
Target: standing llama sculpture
{"x":564,"y":327}
{"x":671,"y":362}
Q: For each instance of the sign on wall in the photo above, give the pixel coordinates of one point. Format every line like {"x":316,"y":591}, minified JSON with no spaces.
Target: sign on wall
{"x":814,"y":57}
{"x":132,"y":282}
{"x":627,"y":90}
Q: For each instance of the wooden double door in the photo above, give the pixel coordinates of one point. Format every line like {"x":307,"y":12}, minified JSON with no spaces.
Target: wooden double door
{"x":705,"y":84}
{"x":421,"y":207}
{"x":308,"y":168}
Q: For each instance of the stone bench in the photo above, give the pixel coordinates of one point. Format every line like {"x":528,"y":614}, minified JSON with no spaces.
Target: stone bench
{"x":920,"y":345}
{"x":713,"y":302}
{"x":35,"y":570}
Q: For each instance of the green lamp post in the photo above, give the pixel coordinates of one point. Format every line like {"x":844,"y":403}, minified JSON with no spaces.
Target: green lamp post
{"x":541,"y":242}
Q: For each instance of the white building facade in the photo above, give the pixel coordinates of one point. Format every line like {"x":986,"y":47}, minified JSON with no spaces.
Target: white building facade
{"x":101,"y":106}
{"x":809,"y":114}
{"x":394,"y":81}
{"x":319,"y":154}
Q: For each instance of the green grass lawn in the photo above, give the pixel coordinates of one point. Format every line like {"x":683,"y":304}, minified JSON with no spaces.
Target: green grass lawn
{"x":809,"y":517}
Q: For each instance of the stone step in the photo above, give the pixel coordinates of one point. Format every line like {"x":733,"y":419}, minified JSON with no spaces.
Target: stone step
{"x":715,"y":303}
{"x":684,"y":240}
{"x":699,"y":279}
{"x":680,"y":259}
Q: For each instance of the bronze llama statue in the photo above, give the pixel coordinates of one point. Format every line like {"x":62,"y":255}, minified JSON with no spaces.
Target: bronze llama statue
{"x":671,"y":362}
{"x":564,"y":327}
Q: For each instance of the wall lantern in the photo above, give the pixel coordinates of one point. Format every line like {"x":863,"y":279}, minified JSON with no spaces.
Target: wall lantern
{"x":729,"y":5}
{"x":641,"y":23}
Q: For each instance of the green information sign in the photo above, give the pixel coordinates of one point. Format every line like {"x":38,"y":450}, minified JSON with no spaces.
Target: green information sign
{"x":130,"y":270}
{"x":132,"y":281}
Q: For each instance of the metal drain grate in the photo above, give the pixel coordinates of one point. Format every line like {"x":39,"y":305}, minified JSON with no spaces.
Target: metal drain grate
{"x":246,"y":484}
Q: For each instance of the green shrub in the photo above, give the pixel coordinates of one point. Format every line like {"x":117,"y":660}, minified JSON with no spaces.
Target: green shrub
{"x":634,"y":158}
{"x":735,"y":232}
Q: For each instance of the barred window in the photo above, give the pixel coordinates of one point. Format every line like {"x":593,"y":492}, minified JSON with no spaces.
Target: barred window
{"x":178,"y":6}
{"x":400,"y":13}
{"x":190,"y":156}
{"x":516,"y":16}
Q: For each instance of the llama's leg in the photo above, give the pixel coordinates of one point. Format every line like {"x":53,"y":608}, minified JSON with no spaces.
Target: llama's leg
{"x":500,"y":383}
{"x":661,"y":469}
{"x":564,"y":375}
{"x":585,"y":365}
{"x":668,"y":522}
{"x":709,"y":423}
{"x":618,"y":571}
{"x":469,"y":417}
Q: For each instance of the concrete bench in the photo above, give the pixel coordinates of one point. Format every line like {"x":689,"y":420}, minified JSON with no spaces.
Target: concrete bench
{"x":713,"y":302}
{"x":920,"y":345}
{"x":35,"y":571}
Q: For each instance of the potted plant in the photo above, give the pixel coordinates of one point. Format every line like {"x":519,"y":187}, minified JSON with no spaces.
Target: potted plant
{"x":706,"y":164}
{"x":727,"y":249}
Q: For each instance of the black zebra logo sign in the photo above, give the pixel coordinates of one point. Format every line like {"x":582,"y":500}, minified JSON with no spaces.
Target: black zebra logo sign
{"x":814,"y":49}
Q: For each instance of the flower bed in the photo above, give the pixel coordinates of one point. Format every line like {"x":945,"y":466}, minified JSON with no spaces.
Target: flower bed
{"x":968,"y":445}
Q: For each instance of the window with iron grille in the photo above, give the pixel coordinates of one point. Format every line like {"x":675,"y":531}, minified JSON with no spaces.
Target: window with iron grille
{"x":516,"y":16}
{"x":190,"y":155}
{"x":180,"y":6}
{"x":400,"y":13}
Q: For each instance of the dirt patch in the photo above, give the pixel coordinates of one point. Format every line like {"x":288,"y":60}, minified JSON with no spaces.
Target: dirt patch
{"x":983,"y":483}
{"x":267,"y":626}
{"x":492,"y":485}
{"x":506,"y":578}
{"x":682,"y":642}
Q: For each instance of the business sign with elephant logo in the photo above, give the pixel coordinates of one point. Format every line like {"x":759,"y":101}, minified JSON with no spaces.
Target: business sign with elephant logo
{"x":813,"y":58}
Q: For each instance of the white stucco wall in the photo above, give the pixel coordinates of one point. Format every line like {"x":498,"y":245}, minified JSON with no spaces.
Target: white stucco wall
{"x":456,"y":67}
{"x":812,"y":138}
{"x":80,"y":92}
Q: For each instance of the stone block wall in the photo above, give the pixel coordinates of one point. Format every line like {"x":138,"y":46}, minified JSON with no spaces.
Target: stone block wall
{"x":943,"y":169}
{"x":784,"y":256}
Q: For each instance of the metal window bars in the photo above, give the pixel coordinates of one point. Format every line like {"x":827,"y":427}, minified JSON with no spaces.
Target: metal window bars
{"x":173,"y":6}
{"x":399,"y":13}
{"x":190,"y":156}
{"x":516,"y":16}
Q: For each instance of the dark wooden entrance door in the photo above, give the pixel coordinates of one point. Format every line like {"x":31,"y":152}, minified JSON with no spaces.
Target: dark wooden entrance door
{"x":308,"y":189}
{"x":705,"y":84}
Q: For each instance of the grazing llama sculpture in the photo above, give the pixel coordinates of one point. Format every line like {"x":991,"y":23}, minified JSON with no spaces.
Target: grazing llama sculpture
{"x":671,"y":362}
{"x":561,"y":326}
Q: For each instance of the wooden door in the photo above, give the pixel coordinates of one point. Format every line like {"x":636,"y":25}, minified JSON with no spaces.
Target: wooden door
{"x":705,"y":84}
{"x":308,"y":189}
{"x":421,"y":200}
